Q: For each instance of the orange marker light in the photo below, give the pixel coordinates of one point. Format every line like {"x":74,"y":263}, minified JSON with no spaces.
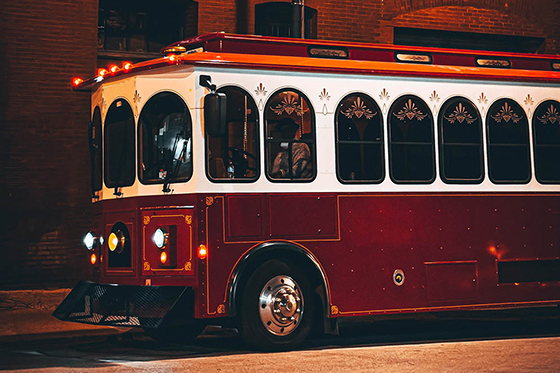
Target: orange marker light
{"x":113,"y":68}
{"x":102,"y":72}
{"x":77,"y":81}
{"x":93,"y":259}
{"x":126,"y":66}
{"x":163,"y":257}
{"x":202,"y":251}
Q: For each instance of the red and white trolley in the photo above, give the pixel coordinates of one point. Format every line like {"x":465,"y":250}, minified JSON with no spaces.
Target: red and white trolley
{"x":284,"y":184}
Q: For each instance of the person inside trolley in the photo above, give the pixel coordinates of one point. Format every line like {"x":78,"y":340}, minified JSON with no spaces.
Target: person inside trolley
{"x":293,"y":159}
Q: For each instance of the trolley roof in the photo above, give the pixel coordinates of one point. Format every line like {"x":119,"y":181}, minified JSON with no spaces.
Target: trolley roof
{"x":256,"y":52}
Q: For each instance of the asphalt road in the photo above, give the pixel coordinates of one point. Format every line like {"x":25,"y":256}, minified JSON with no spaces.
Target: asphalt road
{"x":454,"y":343}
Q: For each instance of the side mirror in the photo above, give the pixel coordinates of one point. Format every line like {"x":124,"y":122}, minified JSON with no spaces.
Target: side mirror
{"x":215,"y":114}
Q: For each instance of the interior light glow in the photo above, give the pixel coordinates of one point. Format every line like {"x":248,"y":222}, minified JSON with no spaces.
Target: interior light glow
{"x":163,"y":257}
{"x":76,"y":81}
{"x":89,"y":240}
{"x":93,"y":259}
{"x":202,"y":251}
{"x":160,"y":238}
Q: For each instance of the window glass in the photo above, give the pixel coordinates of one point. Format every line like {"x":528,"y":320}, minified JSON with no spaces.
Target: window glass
{"x":508,"y":143}
{"x":144,"y":26}
{"x":164,"y":131}
{"x":359,"y":140}
{"x":411,"y":139}
{"x":460,"y":139}
{"x":276,"y":19}
{"x":119,"y":145}
{"x":95,"y":145}
{"x":546,"y":137}
{"x":235,"y":156}
{"x":290,"y":137}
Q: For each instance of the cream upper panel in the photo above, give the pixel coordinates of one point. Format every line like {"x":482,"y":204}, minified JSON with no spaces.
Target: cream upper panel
{"x":324,"y":92}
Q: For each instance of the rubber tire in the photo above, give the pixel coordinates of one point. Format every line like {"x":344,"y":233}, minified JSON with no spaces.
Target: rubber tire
{"x":252,"y":329}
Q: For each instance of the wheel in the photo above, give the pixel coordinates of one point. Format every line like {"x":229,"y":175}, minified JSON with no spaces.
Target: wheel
{"x":183,"y":334}
{"x":277,"y":307}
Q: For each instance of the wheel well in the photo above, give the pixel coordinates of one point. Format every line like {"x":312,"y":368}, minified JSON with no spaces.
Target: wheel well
{"x":290,"y":253}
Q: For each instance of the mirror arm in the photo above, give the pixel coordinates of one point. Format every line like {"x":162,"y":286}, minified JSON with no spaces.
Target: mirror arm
{"x":206,"y":81}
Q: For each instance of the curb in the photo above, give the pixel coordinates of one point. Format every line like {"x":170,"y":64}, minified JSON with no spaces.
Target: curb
{"x":14,"y":300}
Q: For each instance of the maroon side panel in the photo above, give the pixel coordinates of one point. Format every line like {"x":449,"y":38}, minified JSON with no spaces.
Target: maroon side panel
{"x":294,"y":217}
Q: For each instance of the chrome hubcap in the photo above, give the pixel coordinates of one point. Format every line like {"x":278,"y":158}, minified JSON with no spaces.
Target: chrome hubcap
{"x":281,"y":305}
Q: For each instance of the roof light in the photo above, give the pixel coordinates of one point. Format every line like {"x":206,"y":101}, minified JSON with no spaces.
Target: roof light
{"x":113,"y":68}
{"x":76,"y":81}
{"x":174,"y":50}
{"x":102,"y":72}
{"x":126,"y":66}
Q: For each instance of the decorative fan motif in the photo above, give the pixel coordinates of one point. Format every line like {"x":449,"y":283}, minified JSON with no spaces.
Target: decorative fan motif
{"x":260,"y":90}
{"x":460,"y":115}
{"x":289,"y":106}
{"x":324,"y":95}
{"x":384,"y":95}
{"x":551,"y":116}
{"x":410,"y":111}
{"x":434,"y":97}
{"x":359,"y":109}
{"x":506,"y":114}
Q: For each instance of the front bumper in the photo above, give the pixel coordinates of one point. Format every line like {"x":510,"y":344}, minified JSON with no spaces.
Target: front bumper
{"x":128,"y":305}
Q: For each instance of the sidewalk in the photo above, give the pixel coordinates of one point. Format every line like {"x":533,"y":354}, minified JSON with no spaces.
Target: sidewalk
{"x":26,"y":315}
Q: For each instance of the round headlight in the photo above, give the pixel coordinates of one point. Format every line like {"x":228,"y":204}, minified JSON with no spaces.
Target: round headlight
{"x":89,"y":240}
{"x":160,"y":238}
{"x":116,"y":241}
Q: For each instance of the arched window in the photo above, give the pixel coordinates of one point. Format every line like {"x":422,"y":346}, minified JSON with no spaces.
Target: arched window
{"x":359,"y":140}
{"x":164,"y":132}
{"x":95,"y":149}
{"x":411,"y":139}
{"x":290,"y":137}
{"x":235,"y":156}
{"x":508,"y":143}
{"x":546,"y":137}
{"x":119,"y":145}
{"x":460,"y":142}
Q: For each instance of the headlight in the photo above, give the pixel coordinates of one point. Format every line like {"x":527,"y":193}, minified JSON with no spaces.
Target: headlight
{"x":116,"y":241}
{"x":160,"y":238}
{"x":89,"y":240}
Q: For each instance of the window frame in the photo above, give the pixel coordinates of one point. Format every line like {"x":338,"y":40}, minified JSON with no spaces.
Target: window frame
{"x":257,"y":142}
{"x":126,"y":183}
{"x":452,"y":101}
{"x":139,"y":145}
{"x":536,"y":146}
{"x":400,"y":100}
{"x":313,"y":151}
{"x":500,"y":103}
{"x":95,"y":138}
{"x":381,"y":142}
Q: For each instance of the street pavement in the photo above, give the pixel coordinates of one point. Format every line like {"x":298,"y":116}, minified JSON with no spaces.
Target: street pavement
{"x":31,"y":340}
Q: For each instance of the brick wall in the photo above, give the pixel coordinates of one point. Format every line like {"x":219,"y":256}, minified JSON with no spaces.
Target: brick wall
{"x":44,"y":188}
{"x":44,"y":169}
